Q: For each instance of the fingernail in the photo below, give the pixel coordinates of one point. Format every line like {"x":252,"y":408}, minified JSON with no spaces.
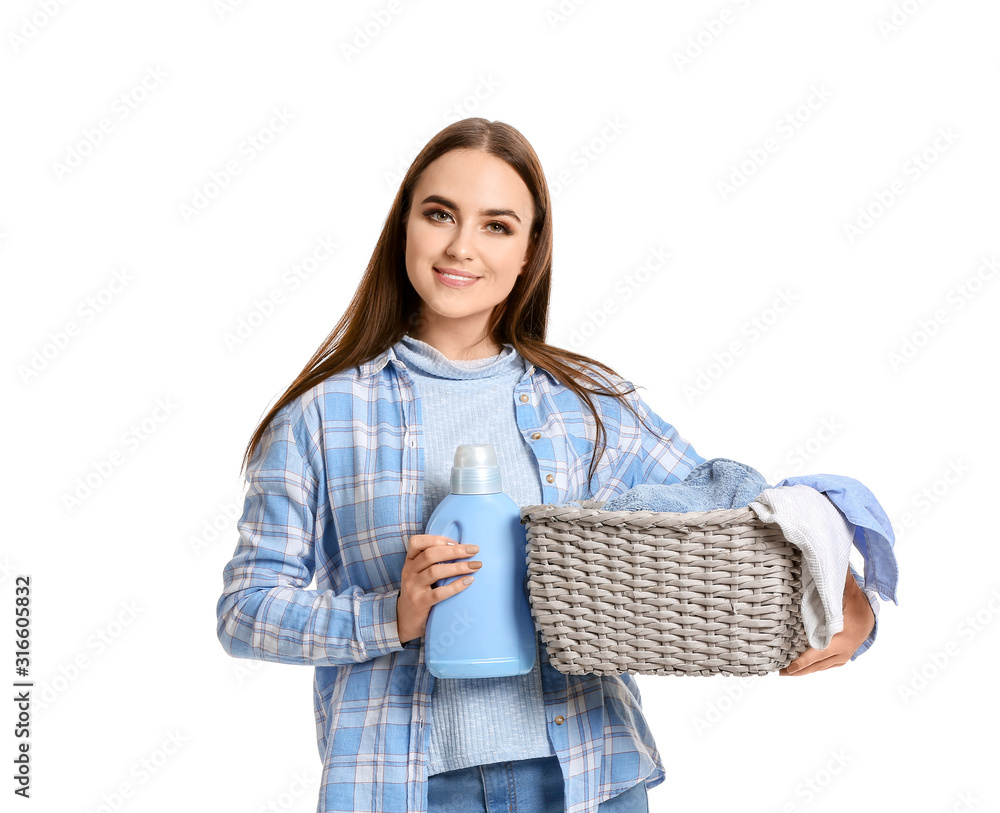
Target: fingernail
{"x":472,"y":548}
{"x":451,"y":543}
{"x":468,"y":580}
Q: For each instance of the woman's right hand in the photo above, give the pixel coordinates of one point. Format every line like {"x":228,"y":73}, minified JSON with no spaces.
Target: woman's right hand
{"x":421,"y":569}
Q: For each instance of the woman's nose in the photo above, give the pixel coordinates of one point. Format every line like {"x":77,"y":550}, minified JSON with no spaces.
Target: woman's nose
{"x":459,"y":246}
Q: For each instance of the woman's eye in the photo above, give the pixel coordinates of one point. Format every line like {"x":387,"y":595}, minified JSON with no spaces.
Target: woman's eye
{"x":496,"y":226}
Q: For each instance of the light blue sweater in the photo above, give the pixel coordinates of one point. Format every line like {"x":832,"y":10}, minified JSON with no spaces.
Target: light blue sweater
{"x":479,"y":720}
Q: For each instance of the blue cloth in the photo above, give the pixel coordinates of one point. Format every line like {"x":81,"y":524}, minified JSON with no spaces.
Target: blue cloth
{"x":522,"y":786}
{"x":715,"y":483}
{"x":873,"y":534}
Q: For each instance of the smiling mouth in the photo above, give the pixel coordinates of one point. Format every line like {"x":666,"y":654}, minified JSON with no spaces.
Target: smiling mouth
{"x":454,"y":281}
{"x":459,"y":277}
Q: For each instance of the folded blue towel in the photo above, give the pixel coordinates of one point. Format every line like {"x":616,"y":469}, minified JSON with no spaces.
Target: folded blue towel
{"x":716,"y":483}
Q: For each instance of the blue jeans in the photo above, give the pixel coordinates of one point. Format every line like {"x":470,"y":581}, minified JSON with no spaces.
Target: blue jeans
{"x":522,"y":786}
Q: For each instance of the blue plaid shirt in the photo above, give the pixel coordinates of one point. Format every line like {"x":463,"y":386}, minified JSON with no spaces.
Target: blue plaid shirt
{"x":335,"y":491}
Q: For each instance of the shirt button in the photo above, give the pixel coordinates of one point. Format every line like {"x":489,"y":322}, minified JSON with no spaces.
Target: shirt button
{"x":560,"y":720}
{"x":525,"y":398}
{"x":536,"y":436}
{"x":549,"y":478}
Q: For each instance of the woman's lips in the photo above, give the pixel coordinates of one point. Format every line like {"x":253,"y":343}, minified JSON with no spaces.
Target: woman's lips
{"x":451,"y":282}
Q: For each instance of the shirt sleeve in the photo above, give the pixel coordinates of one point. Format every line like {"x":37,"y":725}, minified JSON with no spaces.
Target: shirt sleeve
{"x":265,"y":611}
{"x":873,"y":601}
{"x":664,"y":456}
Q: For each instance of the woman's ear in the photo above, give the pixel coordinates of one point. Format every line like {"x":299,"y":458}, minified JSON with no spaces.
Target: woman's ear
{"x":528,"y":254}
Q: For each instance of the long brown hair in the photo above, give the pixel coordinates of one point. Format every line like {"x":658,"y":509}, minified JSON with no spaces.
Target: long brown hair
{"x":385,"y":304}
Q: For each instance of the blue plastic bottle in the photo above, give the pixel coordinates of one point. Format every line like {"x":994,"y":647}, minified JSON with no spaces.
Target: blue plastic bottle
{"x":485,"y":630}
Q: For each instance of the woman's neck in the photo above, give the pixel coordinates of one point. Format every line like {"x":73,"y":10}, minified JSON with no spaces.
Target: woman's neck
{"x":452,"y":347}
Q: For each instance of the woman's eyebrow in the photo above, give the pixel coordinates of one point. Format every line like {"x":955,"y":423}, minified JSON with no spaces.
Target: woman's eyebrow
{"x":483,"y":213}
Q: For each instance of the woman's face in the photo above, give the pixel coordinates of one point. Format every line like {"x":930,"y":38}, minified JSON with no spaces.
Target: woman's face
{"x":471,"y":216}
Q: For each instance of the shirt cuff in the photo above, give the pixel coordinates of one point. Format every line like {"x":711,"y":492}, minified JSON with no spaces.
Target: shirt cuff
{"x":872,"y":596}
{"x":377,"y":621}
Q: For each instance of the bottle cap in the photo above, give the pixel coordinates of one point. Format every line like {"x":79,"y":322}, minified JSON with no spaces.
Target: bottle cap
{"x":476,"y":470}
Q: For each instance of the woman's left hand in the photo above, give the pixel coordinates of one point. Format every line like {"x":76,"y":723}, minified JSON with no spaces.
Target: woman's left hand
{"x":858,"y":623}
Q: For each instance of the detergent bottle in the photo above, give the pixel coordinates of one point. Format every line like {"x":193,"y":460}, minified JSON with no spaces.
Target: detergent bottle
{"x":485,"y":630}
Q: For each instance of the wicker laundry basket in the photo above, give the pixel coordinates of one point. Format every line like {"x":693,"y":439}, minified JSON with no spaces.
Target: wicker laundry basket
{"x":699,"y":593}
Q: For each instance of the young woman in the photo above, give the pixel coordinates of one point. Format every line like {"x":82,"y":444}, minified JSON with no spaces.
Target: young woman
{"x":443,"y":344}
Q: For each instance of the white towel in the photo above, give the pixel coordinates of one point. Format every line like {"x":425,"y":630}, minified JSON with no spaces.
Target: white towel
{"x":811,"y":522}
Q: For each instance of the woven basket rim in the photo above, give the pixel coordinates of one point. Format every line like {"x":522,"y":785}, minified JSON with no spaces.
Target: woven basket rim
{"x":590,"y":513}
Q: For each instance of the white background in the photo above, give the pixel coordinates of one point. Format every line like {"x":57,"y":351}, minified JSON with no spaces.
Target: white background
{"x":137,"y":707}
